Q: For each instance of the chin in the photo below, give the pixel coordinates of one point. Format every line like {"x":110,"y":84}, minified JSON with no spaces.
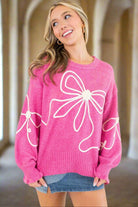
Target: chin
{"x":69,"y":43}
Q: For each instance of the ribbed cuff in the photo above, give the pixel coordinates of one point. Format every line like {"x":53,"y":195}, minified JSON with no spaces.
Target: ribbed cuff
{"x":102,"y":171}
{"x":31,"y":175}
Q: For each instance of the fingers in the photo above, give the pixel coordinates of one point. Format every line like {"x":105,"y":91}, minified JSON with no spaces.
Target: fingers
{"x":100,"y":182}
{"x":36,"y":184}
{"x":97,"y":181}
{"x":42,"y":181}
{"x":39,"y":183}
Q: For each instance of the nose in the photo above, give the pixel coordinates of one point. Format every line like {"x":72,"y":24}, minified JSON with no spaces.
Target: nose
{"x":62,"y":25}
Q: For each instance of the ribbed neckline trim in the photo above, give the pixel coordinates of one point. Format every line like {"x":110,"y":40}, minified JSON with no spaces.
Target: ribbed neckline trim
{"x":83,"y":66}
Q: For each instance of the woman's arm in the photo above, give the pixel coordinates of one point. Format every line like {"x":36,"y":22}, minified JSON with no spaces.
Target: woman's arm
{"x":111,"y":148}
{"x":28,"y":129}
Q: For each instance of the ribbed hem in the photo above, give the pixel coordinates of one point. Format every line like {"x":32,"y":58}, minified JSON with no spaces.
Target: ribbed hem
{"x":64,"y":162}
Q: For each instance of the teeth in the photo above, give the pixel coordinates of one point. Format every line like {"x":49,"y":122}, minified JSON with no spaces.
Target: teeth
{"x":67,"y":33}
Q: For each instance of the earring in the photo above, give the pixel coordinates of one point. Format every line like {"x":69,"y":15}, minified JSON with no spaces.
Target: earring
{"x":58,"y":42}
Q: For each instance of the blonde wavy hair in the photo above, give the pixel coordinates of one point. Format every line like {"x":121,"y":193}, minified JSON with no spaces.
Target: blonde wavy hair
{"x":54,"y":54}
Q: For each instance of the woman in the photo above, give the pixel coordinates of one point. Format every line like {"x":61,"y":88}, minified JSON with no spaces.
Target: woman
{"x":68,"y":135}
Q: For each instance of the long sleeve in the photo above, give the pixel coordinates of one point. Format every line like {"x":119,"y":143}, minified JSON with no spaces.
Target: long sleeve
{"x":28,"y":130}
{"x":111,"y":147}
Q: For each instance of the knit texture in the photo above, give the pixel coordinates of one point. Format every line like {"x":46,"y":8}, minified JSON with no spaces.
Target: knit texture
{"x":72,"y":126}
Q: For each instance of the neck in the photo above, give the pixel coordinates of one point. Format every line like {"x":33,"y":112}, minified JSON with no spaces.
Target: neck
{"x":78,"y":53}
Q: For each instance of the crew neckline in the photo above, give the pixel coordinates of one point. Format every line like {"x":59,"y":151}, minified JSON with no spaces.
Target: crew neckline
{"x":83,"y":66}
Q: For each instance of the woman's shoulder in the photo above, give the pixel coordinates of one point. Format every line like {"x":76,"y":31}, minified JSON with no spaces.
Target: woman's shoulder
{"x":105,"y":65}
{"x":38,"y":71}
{"x":106,"y":68}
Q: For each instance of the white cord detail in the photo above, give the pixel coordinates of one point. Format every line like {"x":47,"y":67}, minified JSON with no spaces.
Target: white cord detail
{"x":27,"y":122}
{"x":86,"y":99}
{"x":113,"y":121}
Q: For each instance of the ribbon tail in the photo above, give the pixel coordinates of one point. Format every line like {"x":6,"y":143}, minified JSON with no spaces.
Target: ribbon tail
{"x":92,"y":147}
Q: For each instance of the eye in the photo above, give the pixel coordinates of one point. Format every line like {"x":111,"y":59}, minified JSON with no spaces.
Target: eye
{"x":68,"y":15}
{"x":54,"y":24}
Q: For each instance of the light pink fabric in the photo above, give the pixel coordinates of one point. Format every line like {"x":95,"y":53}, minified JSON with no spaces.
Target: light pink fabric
{"x":72,"y":126}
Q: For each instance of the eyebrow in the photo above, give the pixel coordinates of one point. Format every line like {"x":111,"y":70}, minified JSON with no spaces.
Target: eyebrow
{"x":61,"y":15}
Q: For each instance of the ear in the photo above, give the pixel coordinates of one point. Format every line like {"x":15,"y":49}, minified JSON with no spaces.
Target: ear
{"x":83,"y":28}
{"x":83,"y":25}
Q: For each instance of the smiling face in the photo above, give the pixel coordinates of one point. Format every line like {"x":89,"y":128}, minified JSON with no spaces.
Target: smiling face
{"x":66,"y":25}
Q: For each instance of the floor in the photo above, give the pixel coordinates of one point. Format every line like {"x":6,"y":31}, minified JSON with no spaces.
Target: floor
{"x":121,"y":192}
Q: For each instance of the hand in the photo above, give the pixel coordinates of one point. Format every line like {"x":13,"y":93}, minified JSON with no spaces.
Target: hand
{"x":38,"y":183}
{"x":97,"y":181}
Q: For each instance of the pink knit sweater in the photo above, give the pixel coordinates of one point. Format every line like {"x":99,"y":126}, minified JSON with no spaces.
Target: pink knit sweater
{"x":72,"y":126}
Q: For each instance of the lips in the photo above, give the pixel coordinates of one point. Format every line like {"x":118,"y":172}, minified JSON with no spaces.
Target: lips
{"x":67,"y":32}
